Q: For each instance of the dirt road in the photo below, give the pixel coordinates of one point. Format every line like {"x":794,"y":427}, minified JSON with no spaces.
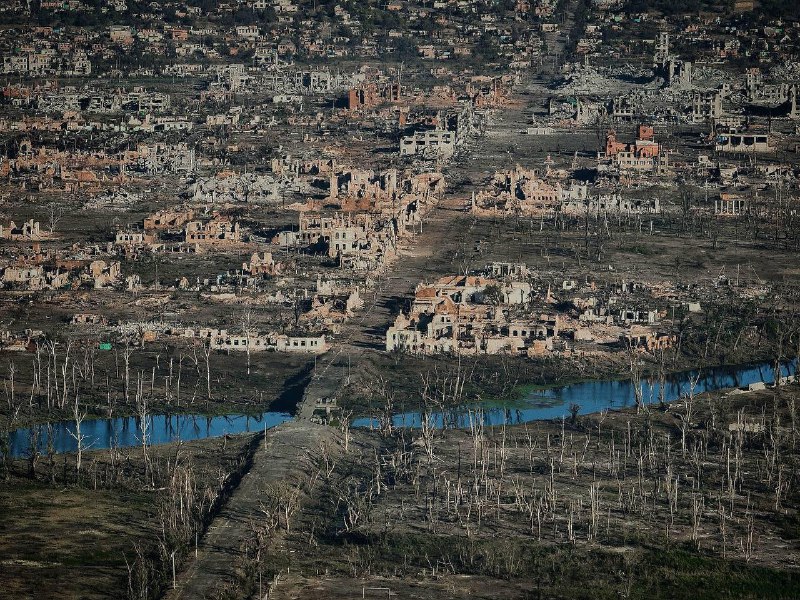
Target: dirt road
{"x":448,"y":237}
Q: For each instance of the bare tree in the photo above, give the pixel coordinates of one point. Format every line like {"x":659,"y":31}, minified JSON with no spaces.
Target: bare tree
{"x":79,"y":437}
{"x":126,"y":357}
{"x":207,"y":355}
{"x":11,"y":372}
{"x":344,"y":424}
{"x":247,"y":329}
{"x":33,"y":449}
{"x":636,"y":375}
{"x":54,"y":214}
{"x":144,"y":423}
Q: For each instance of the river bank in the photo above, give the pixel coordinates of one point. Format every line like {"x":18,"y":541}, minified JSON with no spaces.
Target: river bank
{"x":532,"y":404}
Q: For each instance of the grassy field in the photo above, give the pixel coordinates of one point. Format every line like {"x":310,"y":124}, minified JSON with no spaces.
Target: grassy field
{"x":64,"y":539}
{"x":69,"y":542}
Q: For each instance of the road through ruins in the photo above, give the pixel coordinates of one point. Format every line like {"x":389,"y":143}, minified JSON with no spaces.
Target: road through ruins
{"x":445,"y":237}
{"x":445,"y":234}
{"x":516,"y":282}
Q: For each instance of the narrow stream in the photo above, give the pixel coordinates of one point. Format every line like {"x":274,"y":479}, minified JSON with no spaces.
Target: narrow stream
{"x":125,"y":432}
{"x":535,"y":404}
{"x":591,"y":397}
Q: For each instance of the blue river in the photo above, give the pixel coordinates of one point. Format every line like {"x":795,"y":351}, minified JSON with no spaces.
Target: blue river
{"x":538,"y":404}
{"x":591,"y":396}
{"x":125,"y":432}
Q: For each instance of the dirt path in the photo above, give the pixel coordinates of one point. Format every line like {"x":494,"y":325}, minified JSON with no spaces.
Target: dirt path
{"x":281,"y":456}
{"x":445,"y":239}
{"x":277,"y":460}
{"x":366,"y":332}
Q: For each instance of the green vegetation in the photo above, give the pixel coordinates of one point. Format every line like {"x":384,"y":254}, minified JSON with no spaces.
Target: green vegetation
{"x":675,"y":7}
{"x":785,"y":9}
{"x":570,"y":572}
{"x":642,"y":249}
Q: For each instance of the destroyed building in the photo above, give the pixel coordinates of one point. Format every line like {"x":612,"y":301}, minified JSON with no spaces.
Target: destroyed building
{"x":219,"y":231}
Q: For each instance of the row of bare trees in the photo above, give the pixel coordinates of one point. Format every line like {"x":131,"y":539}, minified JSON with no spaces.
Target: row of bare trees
{"x":65,"y":380}
{"x":57,"y":369}
{"x":697,"y":474}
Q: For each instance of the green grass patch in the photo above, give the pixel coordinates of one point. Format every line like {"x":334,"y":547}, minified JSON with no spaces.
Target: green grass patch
{"x":640,"y":249}
{"x":565,"y":571}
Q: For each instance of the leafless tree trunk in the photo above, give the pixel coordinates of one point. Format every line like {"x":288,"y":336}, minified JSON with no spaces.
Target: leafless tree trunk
{"x":207,"y":356}
{"x":636,"y":376}
{"x":54,"y":214}
{"x":77,"y":435}
{"x":690,"y":398}
{"x":344,"y":424}
{"x":11,"y":372}
{"x":746,"y":542}
{"x":178,"y":381}
{"x":247,"y":328}
{"x":33,"y":449}
{"x":64,"y":386}
{"x":51,"y":454}
{"x":126,"y":357}
{"x":697,"y":515}
{"x":144,"y":424}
